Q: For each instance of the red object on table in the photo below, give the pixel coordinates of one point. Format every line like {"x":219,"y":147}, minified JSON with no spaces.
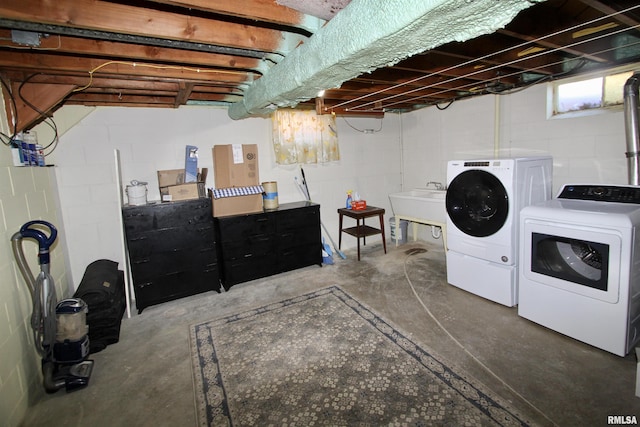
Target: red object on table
{"x":359,"y":205}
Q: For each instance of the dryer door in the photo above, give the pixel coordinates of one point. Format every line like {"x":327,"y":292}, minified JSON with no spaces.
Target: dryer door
{"x":581,"y":260}
{"x":477,"y":203}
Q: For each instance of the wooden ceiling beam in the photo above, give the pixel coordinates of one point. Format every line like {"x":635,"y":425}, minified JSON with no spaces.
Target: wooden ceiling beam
{"x":430,"y":86}
{"x":493,"y":53}
{"x":123,"y":99}
{"x":377,"y":92}
{"x":608,"y":10}
{"x":184,"y":93}
{"x":124,"y":19}
{"x":118,"y":50}
{"x":555,"y":44}
{"x":216,"y":89}
{"x":62,"y":63}
{"x":97,"y":83}
{"x":111,"y":84}
{"x":343,"y":112}
{"x":400,"y":101}
{"x":219,"y":97}
{"x":32,"y":100}
{"x":263,"y":10}
{"x":446,"y":67}
{"x":100,"y":103}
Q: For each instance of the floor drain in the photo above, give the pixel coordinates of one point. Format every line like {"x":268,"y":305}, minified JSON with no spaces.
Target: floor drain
{"x":415,"y":251}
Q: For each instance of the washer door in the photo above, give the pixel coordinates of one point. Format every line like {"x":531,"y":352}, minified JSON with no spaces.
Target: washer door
{"x":477,"y":203}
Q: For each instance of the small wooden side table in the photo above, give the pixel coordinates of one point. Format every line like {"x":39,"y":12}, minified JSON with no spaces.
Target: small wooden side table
{"x":362,"y":230}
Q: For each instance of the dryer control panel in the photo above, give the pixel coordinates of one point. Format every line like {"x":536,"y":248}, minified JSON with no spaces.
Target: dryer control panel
{"x":601,"y":193}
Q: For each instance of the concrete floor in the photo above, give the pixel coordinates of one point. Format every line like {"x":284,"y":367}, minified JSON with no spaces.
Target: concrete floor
{"x":146,"y":378}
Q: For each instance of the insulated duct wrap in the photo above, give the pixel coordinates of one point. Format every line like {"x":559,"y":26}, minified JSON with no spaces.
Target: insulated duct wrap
{"x":632,"y":131}
{"x":364,"y":37}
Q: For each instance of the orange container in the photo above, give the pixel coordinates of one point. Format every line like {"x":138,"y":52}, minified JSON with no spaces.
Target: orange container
{"x":359,"y":205}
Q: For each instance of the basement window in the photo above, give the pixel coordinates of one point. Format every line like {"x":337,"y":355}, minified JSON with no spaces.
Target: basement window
{"x":589,"y":94}
{"x":302,"y":137}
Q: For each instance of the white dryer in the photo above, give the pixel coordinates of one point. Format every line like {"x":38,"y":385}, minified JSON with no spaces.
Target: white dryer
{"x":580,"y":265}
{"x":483,"y":201}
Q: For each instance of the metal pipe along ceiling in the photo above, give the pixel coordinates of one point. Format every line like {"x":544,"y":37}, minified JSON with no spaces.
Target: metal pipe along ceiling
{"x":362,"y":38}
{"x":632,"y":131}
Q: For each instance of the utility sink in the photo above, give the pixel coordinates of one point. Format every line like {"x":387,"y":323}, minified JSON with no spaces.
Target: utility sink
{"x":424,"y":204}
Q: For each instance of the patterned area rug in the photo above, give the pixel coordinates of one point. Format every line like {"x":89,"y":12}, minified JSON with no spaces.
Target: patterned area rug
{"x":325,"y":359}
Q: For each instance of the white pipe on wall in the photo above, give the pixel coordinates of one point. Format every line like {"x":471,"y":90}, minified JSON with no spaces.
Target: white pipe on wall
{"x":496,"y":126}
{"x":401,"y":153}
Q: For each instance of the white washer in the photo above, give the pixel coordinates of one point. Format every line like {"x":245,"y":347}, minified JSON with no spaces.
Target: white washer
{"x":580,"y":265}
{"x":484,"y":198}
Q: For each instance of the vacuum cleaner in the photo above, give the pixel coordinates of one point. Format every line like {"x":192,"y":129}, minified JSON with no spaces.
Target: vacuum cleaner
{"x":59,"y":328}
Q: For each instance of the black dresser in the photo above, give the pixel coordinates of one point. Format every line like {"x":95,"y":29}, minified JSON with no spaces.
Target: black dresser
{"x":270,"y":242}
{"x":172,"y":250}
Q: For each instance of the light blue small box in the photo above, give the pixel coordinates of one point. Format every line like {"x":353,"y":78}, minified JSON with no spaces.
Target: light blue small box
{"x":191,"y":164}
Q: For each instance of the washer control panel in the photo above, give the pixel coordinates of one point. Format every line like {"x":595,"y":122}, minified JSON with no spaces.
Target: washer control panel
{"x":601,"y":193}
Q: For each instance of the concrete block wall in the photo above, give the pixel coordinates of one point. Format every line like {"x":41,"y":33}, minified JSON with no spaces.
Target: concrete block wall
{"x":25,"y":194}
{"x":149,"y":140}
{"x":585,"y":149}
{"x":590,"y":148}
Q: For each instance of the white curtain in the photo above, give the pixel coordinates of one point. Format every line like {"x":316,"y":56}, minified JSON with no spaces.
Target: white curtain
{"x":301,"y":136}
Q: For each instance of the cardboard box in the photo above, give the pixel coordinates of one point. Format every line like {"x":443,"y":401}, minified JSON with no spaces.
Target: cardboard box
{"x":235,"y":165}
{"x":173,"y":187}
{"x":172,"y":193}
{"x":236,"y":205}
{"x":170,"y":177}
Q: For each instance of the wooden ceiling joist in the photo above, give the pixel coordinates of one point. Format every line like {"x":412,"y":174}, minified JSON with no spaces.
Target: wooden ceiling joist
{"x":124,"y":19}
{"x":32,"y":100}
{"x":168,"y":53}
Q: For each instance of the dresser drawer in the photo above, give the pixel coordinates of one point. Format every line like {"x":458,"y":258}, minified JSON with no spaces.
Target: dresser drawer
{"x":242,"y":227}
{"x":253,"y":246}
{"x":300,"y":236}
{"x":298,"y":218}
{"x":145,"y":268}
{"x":171,"y":239}
{"x":166,"y":215}
{"x":299,"y":256}
{"x":175,"y":285}
{"x":243,"y":270}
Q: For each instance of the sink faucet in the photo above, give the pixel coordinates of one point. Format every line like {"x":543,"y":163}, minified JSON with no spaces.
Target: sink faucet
{"x":438,"y":185}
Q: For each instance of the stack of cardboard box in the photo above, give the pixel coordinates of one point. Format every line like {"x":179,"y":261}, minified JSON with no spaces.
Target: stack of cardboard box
{"x":174,"y":187}
{"x":235,"y":169}
{"x":183,"y":184}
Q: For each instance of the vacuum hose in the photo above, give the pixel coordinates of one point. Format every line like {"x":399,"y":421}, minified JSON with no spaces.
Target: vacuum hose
{"x":49,"y":383}
{"x":43,"y":294}
{"x":18,"y":253}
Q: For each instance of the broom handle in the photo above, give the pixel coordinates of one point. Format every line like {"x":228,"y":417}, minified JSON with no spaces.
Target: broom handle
{"x":305,"y":191}
{"x":304,"y":181}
